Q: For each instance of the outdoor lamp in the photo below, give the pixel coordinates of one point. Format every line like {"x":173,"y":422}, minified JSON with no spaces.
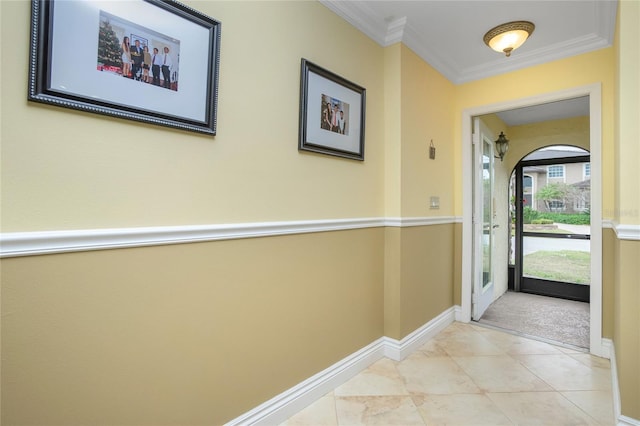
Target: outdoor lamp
{"x":502,"y":145}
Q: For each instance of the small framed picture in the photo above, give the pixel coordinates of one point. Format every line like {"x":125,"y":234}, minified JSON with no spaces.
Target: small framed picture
{"x":332,"y":113}
{"x":154,"y":61}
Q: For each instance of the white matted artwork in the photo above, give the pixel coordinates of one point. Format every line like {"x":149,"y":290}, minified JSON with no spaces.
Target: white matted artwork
{"x":167,"y":53}
{"x":332,"y":113}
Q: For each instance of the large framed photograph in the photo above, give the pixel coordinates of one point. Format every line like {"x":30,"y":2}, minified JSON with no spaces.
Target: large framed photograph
{"x":332,"y":112}
{"x":154,"y":61}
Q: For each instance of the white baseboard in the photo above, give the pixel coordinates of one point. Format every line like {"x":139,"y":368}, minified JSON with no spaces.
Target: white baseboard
{"x":605,"y":348}
{"x":458,"y":313}
{"x":292,"y":401}
{"x":627,"y":421}
{"x":398,"y":350}
{"x":615,"y":387}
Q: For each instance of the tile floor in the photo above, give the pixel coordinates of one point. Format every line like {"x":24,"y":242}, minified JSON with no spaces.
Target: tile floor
{"x":470,"y":375}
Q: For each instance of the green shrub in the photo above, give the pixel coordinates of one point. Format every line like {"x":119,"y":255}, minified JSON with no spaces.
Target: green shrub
{"x":529,"y":214}
{"x":570,"y":219}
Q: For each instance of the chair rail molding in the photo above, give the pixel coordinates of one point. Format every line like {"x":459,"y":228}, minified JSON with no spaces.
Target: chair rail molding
{"x":16,"y":244}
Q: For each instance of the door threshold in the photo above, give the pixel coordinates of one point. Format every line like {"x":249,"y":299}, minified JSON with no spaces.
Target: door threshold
{"x":532,"y":337}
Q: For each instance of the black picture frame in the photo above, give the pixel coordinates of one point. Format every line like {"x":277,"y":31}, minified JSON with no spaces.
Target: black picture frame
{"x":332,"y":113}
{"x":76,"y":61}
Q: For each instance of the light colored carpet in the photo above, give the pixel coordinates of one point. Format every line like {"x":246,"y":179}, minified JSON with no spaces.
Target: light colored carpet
{"x":564,"y":321}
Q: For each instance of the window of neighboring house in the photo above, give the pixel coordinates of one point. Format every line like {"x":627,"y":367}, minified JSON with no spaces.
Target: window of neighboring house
{"x":555,"y":172}
{"x":587,"y":171}
{"x":527,"y":191}
{"x":556,"y":205}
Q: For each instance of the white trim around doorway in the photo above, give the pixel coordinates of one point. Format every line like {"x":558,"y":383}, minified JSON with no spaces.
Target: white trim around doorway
{"x":594,"y":91}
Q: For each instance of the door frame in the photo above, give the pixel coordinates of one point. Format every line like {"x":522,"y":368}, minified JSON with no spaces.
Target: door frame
{"x":594,"y":91}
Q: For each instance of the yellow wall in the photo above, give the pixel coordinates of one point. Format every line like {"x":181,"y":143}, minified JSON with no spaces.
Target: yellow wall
{"x":594,"y":67}
{"x":427,"y":103}
{"x":142,"y":175}
{"x":527,"y":138}
{"x":628,"y":131}
{"x":626,"y":335}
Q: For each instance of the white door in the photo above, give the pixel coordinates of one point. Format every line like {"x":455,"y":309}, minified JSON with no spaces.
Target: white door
{"x":483,"y":219}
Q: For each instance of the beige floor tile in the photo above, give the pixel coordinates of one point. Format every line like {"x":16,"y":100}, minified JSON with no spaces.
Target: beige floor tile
{"x":467,"y":343}
{"x":320,"y":413}
{"x":433,"y":349}
{"x":597,"y":404}
{"x":444,"y":380}
{"x":565,"y":373}
{"x":381,"y":378}
{"x":540,"y":408}
{"x":512,"y":344}
{"x":500,"y":374}
{"x":460,"y":409}
{"x":377,"y":410}
{"x":425,"y":375}
{"x":592,"y":361}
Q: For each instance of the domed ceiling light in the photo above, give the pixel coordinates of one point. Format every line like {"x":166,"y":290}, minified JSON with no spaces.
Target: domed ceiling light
{"x":508,"y":37}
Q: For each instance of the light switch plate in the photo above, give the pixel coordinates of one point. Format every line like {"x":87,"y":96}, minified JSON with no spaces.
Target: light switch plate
{"x":434,"y":203}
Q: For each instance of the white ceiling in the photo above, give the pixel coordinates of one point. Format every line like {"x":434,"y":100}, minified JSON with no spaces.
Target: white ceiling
{"x":447,"y":34}
{"x":544,"y":112}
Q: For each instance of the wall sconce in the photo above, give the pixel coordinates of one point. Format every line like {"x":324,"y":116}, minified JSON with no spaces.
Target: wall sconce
{"x":502,"y":145}
{"x":508,"y":37}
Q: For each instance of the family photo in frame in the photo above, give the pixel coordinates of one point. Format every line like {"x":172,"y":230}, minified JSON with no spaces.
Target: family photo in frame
{"x":155,"y":61}
{"x":130,"y":55}
{"x":332,"y":113}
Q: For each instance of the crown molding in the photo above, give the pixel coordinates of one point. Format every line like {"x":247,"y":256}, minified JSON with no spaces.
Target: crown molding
{"x":551,"y":53}
{"x":362,"y":17}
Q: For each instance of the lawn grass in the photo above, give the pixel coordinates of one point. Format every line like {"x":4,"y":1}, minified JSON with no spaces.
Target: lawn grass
{"x":565,"y":265}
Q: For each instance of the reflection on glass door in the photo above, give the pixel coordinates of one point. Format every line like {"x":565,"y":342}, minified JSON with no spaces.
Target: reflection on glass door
{"x":487,"y":213}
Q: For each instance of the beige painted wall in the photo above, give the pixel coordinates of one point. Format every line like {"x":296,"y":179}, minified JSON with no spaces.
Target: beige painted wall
{"x":419,"y":272}
{"x":183,"y":334}
{"x":427,"y":274}
{"x":609,"y":242}
{"x":626,"y":335}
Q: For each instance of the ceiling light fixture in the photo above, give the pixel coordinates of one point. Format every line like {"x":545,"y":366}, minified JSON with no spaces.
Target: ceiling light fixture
{"x":508,"y":37}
